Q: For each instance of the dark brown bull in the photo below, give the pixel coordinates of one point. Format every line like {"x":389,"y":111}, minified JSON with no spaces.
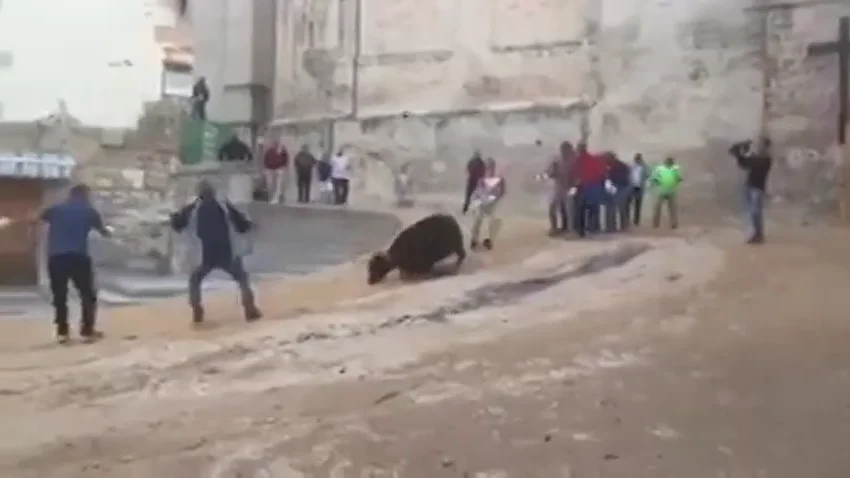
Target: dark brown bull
{"x":416,"y":250}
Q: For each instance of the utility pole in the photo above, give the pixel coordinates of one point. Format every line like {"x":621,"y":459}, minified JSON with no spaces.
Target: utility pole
{"x":355,"y":60}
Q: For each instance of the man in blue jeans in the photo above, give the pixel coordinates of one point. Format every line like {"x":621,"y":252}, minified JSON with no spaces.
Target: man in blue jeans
{"x":756,"y":161}
{"x":216,"y":228}
{"x":68,"y":260}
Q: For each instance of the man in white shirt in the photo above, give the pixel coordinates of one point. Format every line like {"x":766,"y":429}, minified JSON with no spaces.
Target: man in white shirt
{"x":639,"y":175}
{"x":341,"y":177}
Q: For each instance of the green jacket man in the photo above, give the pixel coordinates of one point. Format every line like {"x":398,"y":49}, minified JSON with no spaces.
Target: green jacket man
{"x":666,"y":179}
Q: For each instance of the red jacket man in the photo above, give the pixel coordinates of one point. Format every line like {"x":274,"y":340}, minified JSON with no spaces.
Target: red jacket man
{"x":276,"y":165}
{"x":590,"y":168}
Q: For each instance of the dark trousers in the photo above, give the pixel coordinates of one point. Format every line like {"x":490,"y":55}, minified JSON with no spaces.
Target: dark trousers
{"x":636,"y":204}
{"x":583,"y":212}
{"x":617,"y":210}
{"x":199,"y":110}
{"x":672,"y":210}
{"x":755,"y":210}
{"x":77,"y":269}
{"x":235,"y":269}
{"x":589,"y":198}
{"x":340,"y":190}
{"x":471,"y":185}
{"x":303,"y":179}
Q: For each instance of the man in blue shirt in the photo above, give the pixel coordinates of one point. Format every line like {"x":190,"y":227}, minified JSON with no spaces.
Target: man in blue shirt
{"x":216,"y":229}
{"x":69,"y":224}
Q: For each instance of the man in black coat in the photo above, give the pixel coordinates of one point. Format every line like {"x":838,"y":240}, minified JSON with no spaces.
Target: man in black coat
{"x":234,"y":150}
{"x":304,"y":164}
{"x":215,"y":226}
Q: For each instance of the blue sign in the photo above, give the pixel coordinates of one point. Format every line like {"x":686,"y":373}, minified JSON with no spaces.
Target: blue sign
{"x":33,"y":166}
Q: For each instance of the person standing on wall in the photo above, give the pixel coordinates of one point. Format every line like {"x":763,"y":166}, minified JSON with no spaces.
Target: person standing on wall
{"x":276,"y":171}
{"x":69,"y":224}
{"x":304,"y":164}
{"x":341,"y":177}
{"x":757,"y":163}
{"x":216,"y":229}
{"x":475,"y":169}
{"x":639,"y":175}
{"x":200,"y":98}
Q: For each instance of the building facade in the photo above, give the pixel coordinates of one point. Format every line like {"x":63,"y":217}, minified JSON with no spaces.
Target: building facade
{"x":234,"y":51}
{"x":100,"y":57}
{"x":684,"y":79}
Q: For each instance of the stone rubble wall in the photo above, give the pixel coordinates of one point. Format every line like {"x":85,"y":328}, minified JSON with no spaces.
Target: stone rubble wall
{"x":664,"y":78}
{"x":135,"y":199}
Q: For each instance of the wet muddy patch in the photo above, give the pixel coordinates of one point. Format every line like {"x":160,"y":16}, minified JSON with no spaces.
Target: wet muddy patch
{"x":506,"y":293}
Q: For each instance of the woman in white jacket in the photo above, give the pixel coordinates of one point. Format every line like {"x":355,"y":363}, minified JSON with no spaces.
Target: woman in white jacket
{"x":341,"y":177}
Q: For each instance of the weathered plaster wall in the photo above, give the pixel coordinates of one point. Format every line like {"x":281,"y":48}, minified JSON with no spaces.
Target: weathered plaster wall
{"x":802,"y":105}
{"x":429,"y":56}
{"x":435,"y":147}
{"x":685,"y":79}
{"x":234,"y":50}
{"x":681,"y":79}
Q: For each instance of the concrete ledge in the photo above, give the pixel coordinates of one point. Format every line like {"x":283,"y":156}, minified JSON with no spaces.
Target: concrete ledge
{"x":494,"y":108}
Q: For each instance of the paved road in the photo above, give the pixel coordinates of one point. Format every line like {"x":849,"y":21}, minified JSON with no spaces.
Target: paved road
{"x":290,"y":240}
{"x":301,"y":240}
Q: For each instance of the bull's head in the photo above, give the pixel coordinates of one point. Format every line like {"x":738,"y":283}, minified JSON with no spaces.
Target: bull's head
{"x":379,"y":266}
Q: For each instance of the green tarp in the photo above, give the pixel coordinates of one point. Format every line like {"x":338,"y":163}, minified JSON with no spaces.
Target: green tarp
{"x":201,"y":140}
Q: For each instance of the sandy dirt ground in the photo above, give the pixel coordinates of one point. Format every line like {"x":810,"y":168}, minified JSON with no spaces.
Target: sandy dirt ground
{"x":689,"y":355}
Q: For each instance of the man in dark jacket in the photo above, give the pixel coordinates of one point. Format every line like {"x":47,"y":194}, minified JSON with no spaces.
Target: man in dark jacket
{"x":234,"y":150}
{"x":474,"y":172}
{"x":757,"y":163}
{"x":69,"y":224}
{"x":617,"y":206}
{"x":200,"y":98}
{"x":304,"y":163}
{"x":215,"y":226}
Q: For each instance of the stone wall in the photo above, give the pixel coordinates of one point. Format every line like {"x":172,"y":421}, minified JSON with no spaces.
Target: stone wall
{"x":135,"y":197}
{"x":802,"y":105}
{"x":684,"y":79}
{"x":681,"y":79}
{"x":435,"y":147}
{"x":426,"y":55}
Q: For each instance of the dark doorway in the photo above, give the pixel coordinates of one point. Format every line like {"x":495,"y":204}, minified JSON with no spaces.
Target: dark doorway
{"x":18,"y":199}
